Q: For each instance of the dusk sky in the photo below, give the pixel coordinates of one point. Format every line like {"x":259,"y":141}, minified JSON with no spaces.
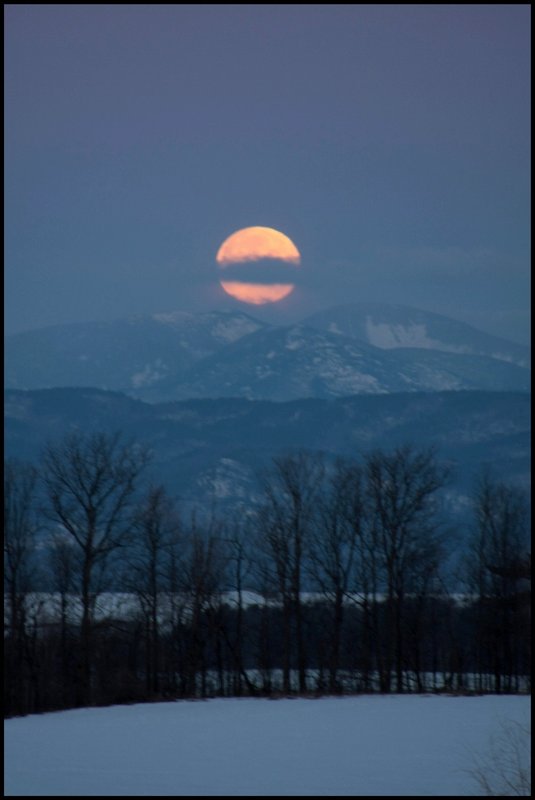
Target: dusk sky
{"x":391,"y":143}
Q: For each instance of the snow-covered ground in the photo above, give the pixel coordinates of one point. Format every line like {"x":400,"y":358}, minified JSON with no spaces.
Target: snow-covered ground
{"x":352,"y":746}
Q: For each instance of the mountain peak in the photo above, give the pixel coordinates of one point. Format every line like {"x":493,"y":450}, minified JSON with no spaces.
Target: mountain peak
{"x":395,"y":326}
{"x":359,"y":349}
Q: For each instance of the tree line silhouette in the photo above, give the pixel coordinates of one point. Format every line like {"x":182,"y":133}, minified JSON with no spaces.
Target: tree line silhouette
{"x":332,"y":582}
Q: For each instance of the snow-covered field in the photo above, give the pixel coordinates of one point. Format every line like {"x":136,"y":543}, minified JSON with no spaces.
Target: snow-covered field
{"x":351,"y":746}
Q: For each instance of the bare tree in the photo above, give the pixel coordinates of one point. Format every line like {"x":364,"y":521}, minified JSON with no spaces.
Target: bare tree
{"x":239,"y":569}
{"x":401,"y":489}
{"x":498,"y":561}
{"x":20,"y":528}
{"x":286,"y":519}
{"x":203,"y":570}
{"x":505,"y":769}
{"x":90,"y":482}
{"x":63,"y":567}
{"x":157,"y":531}
{"x":333,"y":550}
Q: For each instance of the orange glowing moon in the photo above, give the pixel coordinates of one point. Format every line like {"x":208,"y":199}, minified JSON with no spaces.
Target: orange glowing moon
{"x":255,"y":244}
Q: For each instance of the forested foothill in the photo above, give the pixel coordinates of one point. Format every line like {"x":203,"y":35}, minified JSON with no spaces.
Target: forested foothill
{"x":338,"y":579}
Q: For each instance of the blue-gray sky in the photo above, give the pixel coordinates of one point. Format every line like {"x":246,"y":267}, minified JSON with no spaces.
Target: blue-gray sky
{"x":390,"y":142}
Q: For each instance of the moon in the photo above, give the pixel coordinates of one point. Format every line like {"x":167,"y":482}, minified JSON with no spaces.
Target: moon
{"x":263,"y":250}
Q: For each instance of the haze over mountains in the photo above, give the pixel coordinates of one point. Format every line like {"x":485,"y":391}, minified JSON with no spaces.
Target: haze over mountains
{"x":358,"y":349}
{"x":210,"y":451}
{"x":217,"y":395}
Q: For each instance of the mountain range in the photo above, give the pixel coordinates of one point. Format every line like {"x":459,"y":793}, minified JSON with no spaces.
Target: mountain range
{"x":215,"y":396}
{"x":357,"y":349}
{"x":210,"y":451}
{"x":395,"y":326}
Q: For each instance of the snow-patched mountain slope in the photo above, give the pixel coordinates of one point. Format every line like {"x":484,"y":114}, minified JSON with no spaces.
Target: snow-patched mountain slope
{"x":394,"y":326}
{"x":289,"y":363}
{"x":345,"y":351}
{"x":127,"y":354}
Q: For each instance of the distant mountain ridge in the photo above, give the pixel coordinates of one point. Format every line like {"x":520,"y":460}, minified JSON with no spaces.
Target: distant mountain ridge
{"x":210,"y":450}
{"x":125,"y":354}
{"x":289,"y":363}
{"x":360,"y":349}
{"x":395,"y":326}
